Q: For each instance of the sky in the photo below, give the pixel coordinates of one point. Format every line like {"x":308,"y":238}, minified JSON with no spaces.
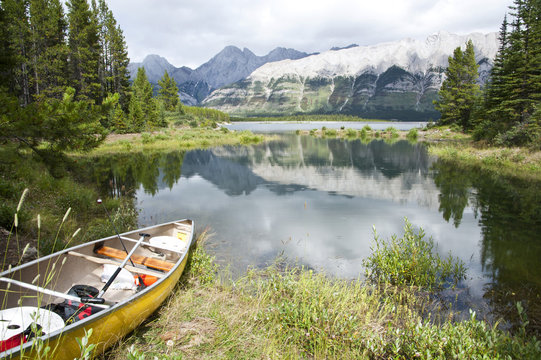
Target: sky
{"x":191,"y":32}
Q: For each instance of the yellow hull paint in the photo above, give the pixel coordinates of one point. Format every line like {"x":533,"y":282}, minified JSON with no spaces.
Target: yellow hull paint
{"x":117,"y":323}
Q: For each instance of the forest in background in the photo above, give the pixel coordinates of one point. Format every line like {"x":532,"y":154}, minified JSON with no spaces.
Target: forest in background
{"x":507,"y":111}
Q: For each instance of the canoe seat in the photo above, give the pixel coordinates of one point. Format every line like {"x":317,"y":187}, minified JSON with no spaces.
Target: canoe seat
{"x":137,"y":259}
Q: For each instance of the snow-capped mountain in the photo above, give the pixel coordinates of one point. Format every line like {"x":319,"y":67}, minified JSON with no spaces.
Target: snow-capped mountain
{"x":389,"y":80}
{"x":228,"y":66}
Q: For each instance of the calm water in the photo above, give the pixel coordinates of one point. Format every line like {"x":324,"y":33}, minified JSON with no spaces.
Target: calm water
{"x":317,"y":200}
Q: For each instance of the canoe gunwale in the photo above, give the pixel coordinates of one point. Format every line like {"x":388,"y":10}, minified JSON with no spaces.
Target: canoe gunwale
{"x":117,"y":306}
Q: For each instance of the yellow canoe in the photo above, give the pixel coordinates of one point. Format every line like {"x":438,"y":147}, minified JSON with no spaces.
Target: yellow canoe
{"x":42,"y":292}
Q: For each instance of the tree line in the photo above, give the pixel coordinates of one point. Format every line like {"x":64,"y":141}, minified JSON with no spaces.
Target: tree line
{"x":507,"y":111}
{"x":64,"y":79}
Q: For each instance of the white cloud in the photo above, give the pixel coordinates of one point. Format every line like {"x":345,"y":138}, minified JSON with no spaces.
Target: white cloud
{"x":191,"y":32}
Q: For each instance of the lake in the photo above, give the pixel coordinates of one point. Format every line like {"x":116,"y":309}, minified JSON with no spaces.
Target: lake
{"x":316,"y":201}
{"x":285,"y":126}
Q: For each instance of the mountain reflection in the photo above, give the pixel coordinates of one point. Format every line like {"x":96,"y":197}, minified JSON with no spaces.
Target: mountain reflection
{"x":397,"y":172}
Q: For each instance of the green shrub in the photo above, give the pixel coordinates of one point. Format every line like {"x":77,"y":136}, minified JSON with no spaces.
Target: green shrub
{"x":147,"y":138}
{"x":363,"y":133}
{"x":367,"y":128}
{"x":331,"y":132}
{"x":412,"y":135}
{"x":411,"y":260}
{"x":351,"y":133}
{"x":247,"y":137}
{"x":519,"y":135}
{"x":456,"y":128}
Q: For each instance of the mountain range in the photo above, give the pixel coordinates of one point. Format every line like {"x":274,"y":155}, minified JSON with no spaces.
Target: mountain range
{"x":228,"y":66}
{"x":393,"y":80}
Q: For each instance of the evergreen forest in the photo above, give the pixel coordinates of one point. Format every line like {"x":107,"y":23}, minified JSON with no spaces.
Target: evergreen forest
{"x":64,"y":80}
{"x":507,"y":111}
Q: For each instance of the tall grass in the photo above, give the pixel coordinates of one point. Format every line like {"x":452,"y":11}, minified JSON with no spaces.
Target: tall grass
{"x":509,"y":162}
{"x":178,"y":139}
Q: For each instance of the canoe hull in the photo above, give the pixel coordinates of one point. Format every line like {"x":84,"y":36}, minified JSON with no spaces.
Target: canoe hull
{"x":109,"y":329}
{"x":109,"y":325}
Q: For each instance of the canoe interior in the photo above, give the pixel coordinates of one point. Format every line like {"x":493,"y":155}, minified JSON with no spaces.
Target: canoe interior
{"x":61,"y":271}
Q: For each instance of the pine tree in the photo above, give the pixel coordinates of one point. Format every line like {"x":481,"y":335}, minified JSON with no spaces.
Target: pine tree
{"x":84,"y":51}
{"x":142,"y":109}
{"x":168,"y":92}
{"x":514,"y":91}
{"x":136,"y":121}
{"x":114,"y":75}
{"x":17,"y":34}
{"x":50,"y":128}
{"x":48,"y":50}
{"x":7,"y":61}
{"x":459,"y":90}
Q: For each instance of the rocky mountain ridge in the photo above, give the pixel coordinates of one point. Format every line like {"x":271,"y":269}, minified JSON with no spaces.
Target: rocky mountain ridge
{"x":394,"y":80}
{"x":228,"y":66}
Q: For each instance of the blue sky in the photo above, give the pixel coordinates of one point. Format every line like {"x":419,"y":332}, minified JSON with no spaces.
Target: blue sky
{"x":189,"y":33}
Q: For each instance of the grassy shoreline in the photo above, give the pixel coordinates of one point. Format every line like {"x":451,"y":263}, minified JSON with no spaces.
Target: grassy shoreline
{"x":175,"y":139}
{"x":285,"y":312}
{"x":508,"y":162}
{"x":453,"y":147}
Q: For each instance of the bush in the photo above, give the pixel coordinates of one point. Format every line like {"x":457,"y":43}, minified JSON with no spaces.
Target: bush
{"x":147,"y":138}
{"x":412,"y":134}
{"x":331,"y":132}
{"x":247,"y":137}
{"x":363,"y":133}
{"x":456,"y":128}
{"x":519,"y":135}
{"x":351,"y":133}
{"x":411,"y":260}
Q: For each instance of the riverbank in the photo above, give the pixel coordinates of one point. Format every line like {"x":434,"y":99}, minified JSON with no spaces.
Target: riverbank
{"x":175,"y":138}
{"x":521,"y":163}
{"x":290,"y":313}
{"x":454,"y":147}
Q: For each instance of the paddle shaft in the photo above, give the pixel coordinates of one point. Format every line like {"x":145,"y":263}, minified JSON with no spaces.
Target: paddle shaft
{"x":50,"y":292}
{"x":121,"y":266}
{"x":114,"y":227}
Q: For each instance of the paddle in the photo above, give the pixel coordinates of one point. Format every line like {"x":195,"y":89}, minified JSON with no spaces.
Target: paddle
{"x":120,"y":239}
{"x":117,"y":271}
{"x":97,"y":302}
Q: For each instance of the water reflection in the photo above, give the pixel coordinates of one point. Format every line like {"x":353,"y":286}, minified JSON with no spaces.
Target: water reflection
{"x":316,"y":200}
{"x":509,"y":213}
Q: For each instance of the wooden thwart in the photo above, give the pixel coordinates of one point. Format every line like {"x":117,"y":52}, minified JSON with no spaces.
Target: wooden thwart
{"x":114,"y":262}
{"x":137,"y":259}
